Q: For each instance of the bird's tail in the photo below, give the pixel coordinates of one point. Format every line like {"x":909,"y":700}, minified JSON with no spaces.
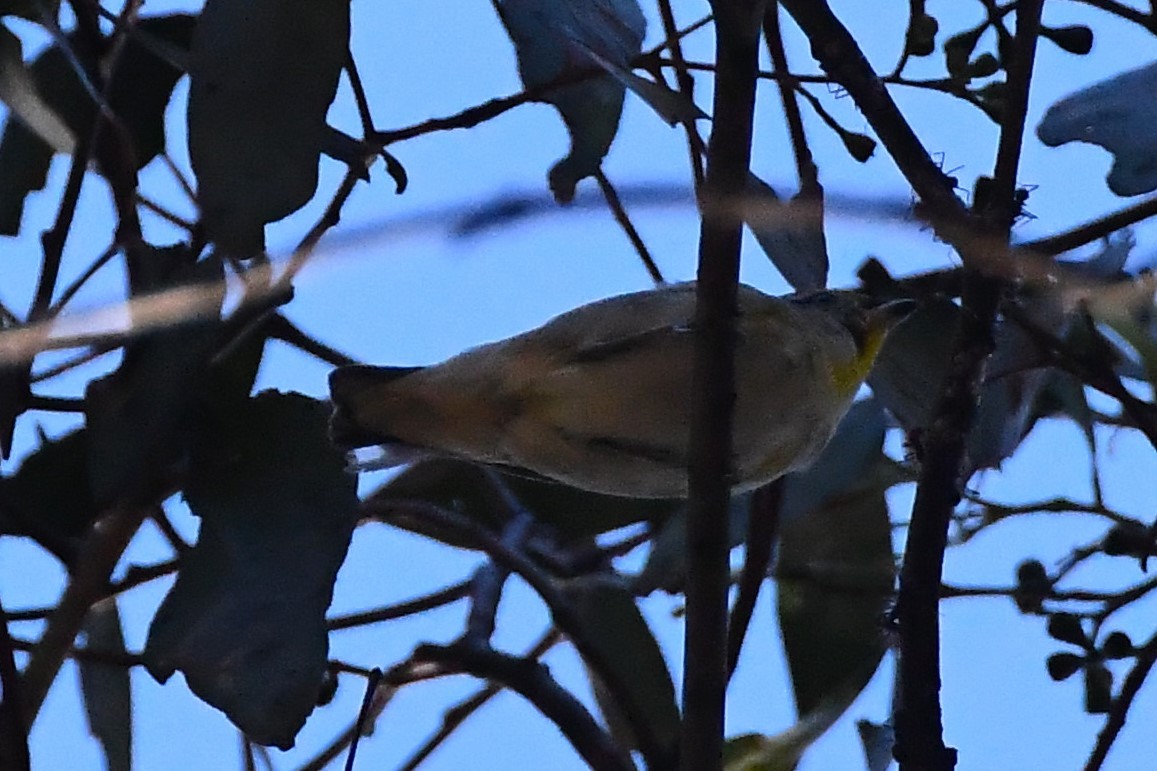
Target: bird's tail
{"x":349,"y":387}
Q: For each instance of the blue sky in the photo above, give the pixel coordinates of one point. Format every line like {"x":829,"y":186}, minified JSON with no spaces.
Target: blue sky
{"x":411,"y":296}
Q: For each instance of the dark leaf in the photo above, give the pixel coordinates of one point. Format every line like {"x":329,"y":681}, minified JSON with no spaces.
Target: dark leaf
{"x":1032,"y":586}
{"x":1128,"y":540}
{"x":878,"y":740}
{"x":105,"y":687}
{"x":15,"y":380}
{"x":245,"y":622}
{"x":51,"y":497}
{"x":263,"y":75}
{"x":835,"y":568}
{"x":1118,"y":115}
{"x":33,"y":10}
{"x":792,"y":240}
{"x":1067,"y":627}
{"x":140,"y":417}
{"x":617,"y":631}
{"x":557,"y":40}
{"x":1076,"y":39}
{"x":1118,"y":646}
{"x":860,"y":146}
{"x":1062,"y":666}
{"x":992,"y":98}
{"x":912,"y":366}
{"x":983,"y":66}
{"x":958,"y":52}
{"x":921,"y":37}
{"x":141,"y":87}
{"x":666,"y":566}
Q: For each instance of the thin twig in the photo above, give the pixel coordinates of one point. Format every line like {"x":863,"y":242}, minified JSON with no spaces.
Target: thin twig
{"x":70,"y":291}
{"x":686,"y":85}
{"x":364,"y":716}
{"x":280,"y":328}
{"x":437,"y":599}
{"x":762,"y":531}
{"x":562,"y":611}
{"x":804,"y":163}
{"x":1093,"y":231}
{"x":624,"y":220}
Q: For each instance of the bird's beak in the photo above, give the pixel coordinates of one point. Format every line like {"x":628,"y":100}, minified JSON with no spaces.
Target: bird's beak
{"x":891,"y":313}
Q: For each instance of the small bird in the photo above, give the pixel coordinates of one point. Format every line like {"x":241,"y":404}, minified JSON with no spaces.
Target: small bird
{"x":599,"y":397}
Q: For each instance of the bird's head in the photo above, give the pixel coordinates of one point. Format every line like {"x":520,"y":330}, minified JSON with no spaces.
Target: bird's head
{"x":868,"y":320}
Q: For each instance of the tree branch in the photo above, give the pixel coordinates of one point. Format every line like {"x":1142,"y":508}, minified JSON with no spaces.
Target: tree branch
{"x":532,"y":680}
{"x":713,"y":384}
{"x":13,"y":728}
{"x":88,"y":584}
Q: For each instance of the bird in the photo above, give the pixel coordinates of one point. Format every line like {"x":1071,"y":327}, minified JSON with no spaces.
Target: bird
{"x":599,"y":398}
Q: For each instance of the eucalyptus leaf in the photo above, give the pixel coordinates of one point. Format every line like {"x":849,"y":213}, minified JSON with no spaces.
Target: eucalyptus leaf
{"x":106,"y":688}
{"x":140,"y":416}
{"x":561,"y":38}
{"x":49,"y":498}
{"x":245,"y":621}
{"x":793,"y":241}
{"x":617,"y":630}
{"x":263,"y":74}
{"x":834,"y":568}
{"x":1117,"y":114}
{"x":140,"y":88}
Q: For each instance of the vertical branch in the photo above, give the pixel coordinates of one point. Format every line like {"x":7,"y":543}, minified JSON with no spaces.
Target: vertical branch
{"x":13,"y":729}
{"x":713,"y":383}
{"x":919,"y":724}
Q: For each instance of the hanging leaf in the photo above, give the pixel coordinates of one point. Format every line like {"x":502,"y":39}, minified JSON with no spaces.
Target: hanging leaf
{"x":920,"y":39}
{"x":263,"y":74}
{"x":105,"y":687}
{"x":561,"y":39}
{"x":624,"y":642}
{"x":1117,"y":114}
{"x":245,"y":621}
{"x":141,"y":87}
{"x":878,"y":741}
{"x":834,"y":568}
{"x":1076,"y":39}
{"x":139,"y":417}
{"x":914,"y":361}
{"x":49,"y":498}
{"x":793,"y":241}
